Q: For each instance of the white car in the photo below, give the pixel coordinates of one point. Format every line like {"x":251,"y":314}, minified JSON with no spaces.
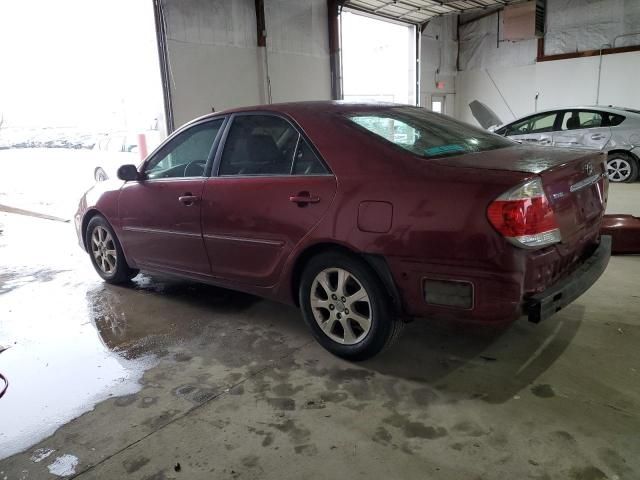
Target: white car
{"x":615,"y":130}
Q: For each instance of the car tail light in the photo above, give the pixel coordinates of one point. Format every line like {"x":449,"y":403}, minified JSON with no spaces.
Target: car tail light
{"x":524,"y":216}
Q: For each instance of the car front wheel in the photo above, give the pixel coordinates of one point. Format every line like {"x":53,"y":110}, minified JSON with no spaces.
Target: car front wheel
{"x":346,"y":306}
{"x":106,"y":253}
{"x":622,"y":168}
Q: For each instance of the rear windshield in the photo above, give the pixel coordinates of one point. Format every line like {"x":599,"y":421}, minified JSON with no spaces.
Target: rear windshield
{"x":427,"y":134}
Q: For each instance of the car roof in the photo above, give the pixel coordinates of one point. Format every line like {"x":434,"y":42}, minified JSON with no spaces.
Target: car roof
{"x":610,"y":109}
{"x":314,"y":107}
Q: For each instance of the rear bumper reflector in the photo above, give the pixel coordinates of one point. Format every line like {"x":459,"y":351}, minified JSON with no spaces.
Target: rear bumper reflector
{"x":448,"y":293}
{"x":543,"y":305}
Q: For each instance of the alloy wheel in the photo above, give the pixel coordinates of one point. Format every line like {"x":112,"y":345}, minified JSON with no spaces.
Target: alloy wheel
{"x":103,"y":249}
{"x":341,"y":306}
{"x":618,"y":170}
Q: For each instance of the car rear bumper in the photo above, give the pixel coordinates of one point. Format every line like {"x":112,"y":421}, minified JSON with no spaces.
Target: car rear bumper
{"x":546,"y":303}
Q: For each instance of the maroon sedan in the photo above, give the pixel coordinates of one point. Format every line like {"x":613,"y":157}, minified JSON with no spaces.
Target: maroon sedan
{"x":362,"y":215}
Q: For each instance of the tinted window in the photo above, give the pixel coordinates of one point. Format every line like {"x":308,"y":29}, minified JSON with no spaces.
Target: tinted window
{"x":615,"y":120}
{"x":186,"y":154}
{"x":259,"y":145}
{"x":306,"y":162}
{"x":536,"y":124}
{"x":575,"y":119}
{"x":427,"y":134}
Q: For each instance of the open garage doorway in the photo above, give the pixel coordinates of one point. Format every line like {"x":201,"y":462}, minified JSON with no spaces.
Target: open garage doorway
{"x":378,"y":59}
{"x":80,"y":95}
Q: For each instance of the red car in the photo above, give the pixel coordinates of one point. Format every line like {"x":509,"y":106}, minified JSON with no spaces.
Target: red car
{"x":363,"y":215}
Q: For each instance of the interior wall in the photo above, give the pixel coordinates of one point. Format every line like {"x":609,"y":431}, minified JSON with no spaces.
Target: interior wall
{"x":215,"y":63}
{"x":438,"y":52}
{"x":559,"y":83}
{"x":504,"y":75}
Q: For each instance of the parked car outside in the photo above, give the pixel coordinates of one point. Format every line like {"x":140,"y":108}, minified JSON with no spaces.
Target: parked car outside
{"x":323,"y":205}
{"x":117,"y":149}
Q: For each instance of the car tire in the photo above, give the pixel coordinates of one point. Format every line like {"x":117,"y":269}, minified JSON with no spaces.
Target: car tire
{"x":622,"y":168}
{"x":100,"y":175}
{"x":352,"y":329}
{"x":106,"y":252}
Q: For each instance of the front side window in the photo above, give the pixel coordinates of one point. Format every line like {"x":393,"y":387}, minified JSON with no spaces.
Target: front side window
{"x":262,"y":145}
{"x":536,"y":124}
{"x":186,"y":154}
{"x":427,"y":134}
{"x":574,"y":120}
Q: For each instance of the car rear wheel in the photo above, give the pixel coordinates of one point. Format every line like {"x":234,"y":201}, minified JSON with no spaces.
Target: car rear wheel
{"x":346,"y":306}
{"x":106,"y":253}
{"x":622,"y":168}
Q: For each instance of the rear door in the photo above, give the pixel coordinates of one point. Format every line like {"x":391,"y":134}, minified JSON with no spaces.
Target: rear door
{"x":582,"y":129}
{"x":160,"y":215}
{"x":268,"y":190}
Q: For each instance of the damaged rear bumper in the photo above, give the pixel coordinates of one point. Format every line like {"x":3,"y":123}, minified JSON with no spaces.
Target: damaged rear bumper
{"x":544,"y":304}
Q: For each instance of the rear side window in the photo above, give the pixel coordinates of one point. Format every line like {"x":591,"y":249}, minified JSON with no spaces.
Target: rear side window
{"x":267,"y":145}
{"x":425,"y":133}
{"x":259,"y":145}
{"x":574,"y":120}
{"x":306,"y":162}
{"x":615,"y":120}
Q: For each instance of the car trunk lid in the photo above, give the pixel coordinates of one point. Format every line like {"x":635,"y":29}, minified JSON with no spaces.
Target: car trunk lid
{"x":574,"y":182}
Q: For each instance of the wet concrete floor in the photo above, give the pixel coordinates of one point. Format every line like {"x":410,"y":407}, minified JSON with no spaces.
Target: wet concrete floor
{"x":167,"y":379}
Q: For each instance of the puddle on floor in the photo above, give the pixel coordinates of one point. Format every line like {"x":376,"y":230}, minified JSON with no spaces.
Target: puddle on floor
{"x":58,"y":322}
{"x":74,"y":340}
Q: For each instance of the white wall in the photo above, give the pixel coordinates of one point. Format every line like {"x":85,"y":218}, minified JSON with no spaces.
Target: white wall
{"x":215,"y":62}
{"x":438,"y":51}
{"x":571,"y":25}
{"x":559,"y":83}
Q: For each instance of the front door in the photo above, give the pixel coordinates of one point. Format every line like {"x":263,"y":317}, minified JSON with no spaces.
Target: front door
{"x":160,"y":215}
{"x":270,"y":190}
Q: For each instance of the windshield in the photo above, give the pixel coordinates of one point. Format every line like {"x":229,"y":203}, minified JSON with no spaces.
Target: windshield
{"x":427,"y":134}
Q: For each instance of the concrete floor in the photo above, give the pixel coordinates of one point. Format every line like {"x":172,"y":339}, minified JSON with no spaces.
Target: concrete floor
{"x":169,"y":380}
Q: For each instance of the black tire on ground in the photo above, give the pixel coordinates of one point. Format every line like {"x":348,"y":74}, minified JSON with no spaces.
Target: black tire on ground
{"x":113,"y":269}
{"x":622,"y":167}
{"x":359,"y":343}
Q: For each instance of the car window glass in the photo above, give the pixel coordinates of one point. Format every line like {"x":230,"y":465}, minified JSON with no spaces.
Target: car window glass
{"x":306,"y":162}
{"x":259,"y":145}
{"x":575,"y":119}
{"x":543,"y":123}
{"x":536,"y":124}
{"x":392,"y":129}
{"x":615,"y":120}
{"x":427,"y":134}
{"x":186,"y":154}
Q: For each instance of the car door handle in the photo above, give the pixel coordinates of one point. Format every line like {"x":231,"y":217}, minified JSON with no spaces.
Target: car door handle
{"x":597,"y":136}
{"x":188,"y":199}
{"x":303,"y":199}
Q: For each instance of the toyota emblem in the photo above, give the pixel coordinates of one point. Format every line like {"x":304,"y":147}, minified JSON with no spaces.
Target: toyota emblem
{"x":588,"y":168}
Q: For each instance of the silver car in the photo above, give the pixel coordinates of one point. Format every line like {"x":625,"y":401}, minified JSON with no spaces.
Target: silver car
{"x":612,"y":129}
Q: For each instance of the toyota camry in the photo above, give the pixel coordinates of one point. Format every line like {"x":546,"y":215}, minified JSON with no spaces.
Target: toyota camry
{"x":363,"y":215}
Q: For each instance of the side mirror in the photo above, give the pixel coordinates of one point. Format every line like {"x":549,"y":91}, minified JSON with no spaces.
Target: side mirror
{"x":128,"y":173}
